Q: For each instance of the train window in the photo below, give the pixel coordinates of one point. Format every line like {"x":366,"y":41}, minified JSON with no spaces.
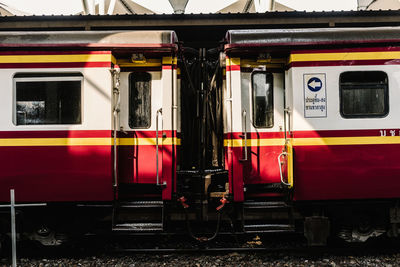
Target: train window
{"x":43,"y":98}
{"x":364,"y":94}
{"x":262,"y":94}
{"x":139,"y":100}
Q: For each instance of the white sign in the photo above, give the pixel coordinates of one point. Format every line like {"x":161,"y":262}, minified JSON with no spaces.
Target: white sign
{"x":314,"y":95}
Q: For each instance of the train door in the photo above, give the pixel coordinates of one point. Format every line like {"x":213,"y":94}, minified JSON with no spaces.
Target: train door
{"x":256,"y":134}
{"x":148,"y":140}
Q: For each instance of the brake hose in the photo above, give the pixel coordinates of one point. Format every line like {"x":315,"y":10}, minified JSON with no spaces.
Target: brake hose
{"x":185,"y":206}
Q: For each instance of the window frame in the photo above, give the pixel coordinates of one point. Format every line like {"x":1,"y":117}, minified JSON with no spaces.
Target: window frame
{"x":130,"y":98}
{"x":252,"y":99}
{"x":41,"y":77}
{"x":386,"y":97}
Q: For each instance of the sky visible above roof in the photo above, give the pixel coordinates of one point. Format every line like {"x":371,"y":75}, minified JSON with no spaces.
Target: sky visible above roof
{"x":68,"y":7}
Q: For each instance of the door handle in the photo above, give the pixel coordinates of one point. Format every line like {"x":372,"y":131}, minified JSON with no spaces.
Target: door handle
{"x":244,"y":116}
{"x":159,"y":112}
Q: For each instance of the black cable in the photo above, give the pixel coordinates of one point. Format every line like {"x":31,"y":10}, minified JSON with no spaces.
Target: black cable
{"x":203,"y":239}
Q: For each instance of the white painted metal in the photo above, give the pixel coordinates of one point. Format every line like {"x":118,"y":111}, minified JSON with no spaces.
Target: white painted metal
{"x":246,"y":103}
{"x":13,"y":230}
{"x":96,"y":92}
{"x":334,"y":121}
{"x":156,"y":99}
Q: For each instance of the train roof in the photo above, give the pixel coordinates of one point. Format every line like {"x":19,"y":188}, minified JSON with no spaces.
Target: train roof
{"x":95,"y":39}
{"x":307,"y":37}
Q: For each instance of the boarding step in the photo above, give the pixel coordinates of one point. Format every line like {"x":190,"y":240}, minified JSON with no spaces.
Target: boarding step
{"x":268,"y":228}
{"x":138,"y":216}
{"x":138,"y":227}
{"x":141,"y":204}
{"x":265,"y":205}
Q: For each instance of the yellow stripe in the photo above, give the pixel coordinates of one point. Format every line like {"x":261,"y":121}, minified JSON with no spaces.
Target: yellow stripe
{"x":233,"y":61}
{"x":270,"y":63}
{"x":258,"y":65}
{"x":148,"y":141}
{"x":86,"y":141}
{"x":340,"y":141}
{"x":254,"y":142}
{"x":148,"y":63}
{"x":344,"y":56}
{"x":55,"y":58}
{"x":327,"y":141}
{"x":167,"y":60}
{"x":113,"y":60}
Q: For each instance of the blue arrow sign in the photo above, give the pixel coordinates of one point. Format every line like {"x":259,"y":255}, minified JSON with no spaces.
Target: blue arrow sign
{"x":314,"y":84}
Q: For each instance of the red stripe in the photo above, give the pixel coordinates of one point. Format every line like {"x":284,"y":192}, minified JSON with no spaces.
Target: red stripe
{"x":146,"y":134}
{"x":167,"y":67}
{"x":344,"y":50}
{"x":82,"y":134}
{"x":56,"y":134}
{"x":253,"y":135}
{"x":311,"y":43}
{"x":345,"y":63}
{"x":313,"y":134}
{"x":95,"y":45}
{"x":54,"y":52}
{"x":341,"y":133}
{"x":232,"y":67}
{"x":55,"y":65}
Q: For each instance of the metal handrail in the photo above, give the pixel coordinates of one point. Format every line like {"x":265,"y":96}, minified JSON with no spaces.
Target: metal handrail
{"x":244,"y":115}
{"x":117,"y":99}
{"x":159,"y":112}
{"x":280,"y":167}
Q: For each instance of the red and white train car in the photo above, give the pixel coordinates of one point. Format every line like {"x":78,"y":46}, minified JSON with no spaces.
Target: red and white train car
{"x":79,"y":119}
{"x":316,"y":110}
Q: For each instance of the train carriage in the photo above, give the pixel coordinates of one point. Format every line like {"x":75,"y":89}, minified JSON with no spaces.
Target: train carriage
{"x":316,"y":112}
{"x":81,"y":111}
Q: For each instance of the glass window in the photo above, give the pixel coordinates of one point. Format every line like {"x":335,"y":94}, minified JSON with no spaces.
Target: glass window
{"x":263,"y":108}
{"x":139,"y":100}
{"x":364,"y":94}
{"x":48,"y":98}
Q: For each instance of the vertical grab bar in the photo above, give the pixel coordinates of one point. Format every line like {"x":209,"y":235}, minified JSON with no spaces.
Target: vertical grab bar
{"x":157,"y":174}
{"x":280,"y":167}
{"x":117,"y":99}
{"x":244,"y":116}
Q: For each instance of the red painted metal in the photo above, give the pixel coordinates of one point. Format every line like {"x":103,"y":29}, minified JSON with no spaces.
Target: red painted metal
{"x":137,"y":163}
{"x":335,"y":172}
{"x":56,"y":173}
{"x":345,"y":63}
{"x":346,"y":172}
{"x":56,"y":65}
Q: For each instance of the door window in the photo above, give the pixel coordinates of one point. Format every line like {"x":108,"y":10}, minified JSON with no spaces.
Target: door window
{"x":262,"y":99}
{"x":140,"y":100}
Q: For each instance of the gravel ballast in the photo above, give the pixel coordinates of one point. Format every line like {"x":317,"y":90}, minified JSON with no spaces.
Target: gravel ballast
{"x":213,"y":259}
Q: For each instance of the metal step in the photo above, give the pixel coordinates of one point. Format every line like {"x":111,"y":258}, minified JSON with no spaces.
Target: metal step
{"x":138,"y":227}
{"x":141,"y":204}
{"x":265,"y":205}
{"x":268,"y":228}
